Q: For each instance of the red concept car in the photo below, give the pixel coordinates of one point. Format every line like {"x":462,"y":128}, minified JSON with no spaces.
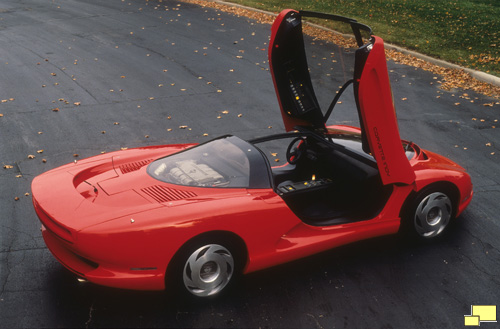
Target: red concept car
{"x":193,"y":217}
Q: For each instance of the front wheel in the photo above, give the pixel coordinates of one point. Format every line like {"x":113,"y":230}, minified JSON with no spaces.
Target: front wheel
{"x":429,"y":214}
{"x":208,"y":270}
{"x":205,"y":268}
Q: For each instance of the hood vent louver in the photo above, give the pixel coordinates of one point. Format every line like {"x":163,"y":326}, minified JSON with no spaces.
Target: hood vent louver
{"x":164,"y":194}
{"x":133,"y":166}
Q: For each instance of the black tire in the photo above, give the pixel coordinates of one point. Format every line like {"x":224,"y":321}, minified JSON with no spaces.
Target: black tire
{"x":428,"y":214}
{"x":204,"y":268}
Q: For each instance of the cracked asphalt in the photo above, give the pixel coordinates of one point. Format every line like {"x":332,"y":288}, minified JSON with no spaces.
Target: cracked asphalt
{"x":78,"y":78}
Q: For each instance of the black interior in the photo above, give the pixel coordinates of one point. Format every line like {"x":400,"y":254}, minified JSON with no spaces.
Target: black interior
{"x":324,"y":183}
{"x":290,"y":70}
{"x":345,"y":188}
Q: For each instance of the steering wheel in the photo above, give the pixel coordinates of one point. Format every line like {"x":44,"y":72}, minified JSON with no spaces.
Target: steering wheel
{"x":295,"y":150}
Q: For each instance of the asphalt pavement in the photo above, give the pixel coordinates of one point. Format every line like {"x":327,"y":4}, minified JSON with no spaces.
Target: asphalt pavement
{"x":78,"y":78}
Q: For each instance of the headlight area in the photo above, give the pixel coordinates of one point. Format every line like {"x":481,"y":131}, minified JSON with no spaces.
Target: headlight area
{"x":63,"y":253}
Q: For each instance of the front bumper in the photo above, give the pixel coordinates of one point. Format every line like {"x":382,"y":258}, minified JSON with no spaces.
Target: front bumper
{"x":102,"y":274}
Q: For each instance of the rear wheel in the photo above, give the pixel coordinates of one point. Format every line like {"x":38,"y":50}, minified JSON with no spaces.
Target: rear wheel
{"x":430,"y":213}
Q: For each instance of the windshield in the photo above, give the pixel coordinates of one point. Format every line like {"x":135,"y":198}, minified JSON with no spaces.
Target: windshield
{"x":225,"y":162}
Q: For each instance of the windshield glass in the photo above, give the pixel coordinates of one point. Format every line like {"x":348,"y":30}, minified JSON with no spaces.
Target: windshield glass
{"x":224,"y":162}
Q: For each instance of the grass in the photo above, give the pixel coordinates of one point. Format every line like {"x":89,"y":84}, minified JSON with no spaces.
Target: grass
{"x":464,"y":32}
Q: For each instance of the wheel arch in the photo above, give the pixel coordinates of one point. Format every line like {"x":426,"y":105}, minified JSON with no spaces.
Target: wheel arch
{"x":446,"y":186}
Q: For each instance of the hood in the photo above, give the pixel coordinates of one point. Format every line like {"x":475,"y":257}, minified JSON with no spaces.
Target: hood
{"x":102,"y":188}
{"x":372,"y":91}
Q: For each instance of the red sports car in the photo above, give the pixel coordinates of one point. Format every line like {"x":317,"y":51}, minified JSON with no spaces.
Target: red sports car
{"x":193,"y":217}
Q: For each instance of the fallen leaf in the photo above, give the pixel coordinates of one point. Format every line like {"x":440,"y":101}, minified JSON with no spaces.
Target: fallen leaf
{"x":31,"y":156}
